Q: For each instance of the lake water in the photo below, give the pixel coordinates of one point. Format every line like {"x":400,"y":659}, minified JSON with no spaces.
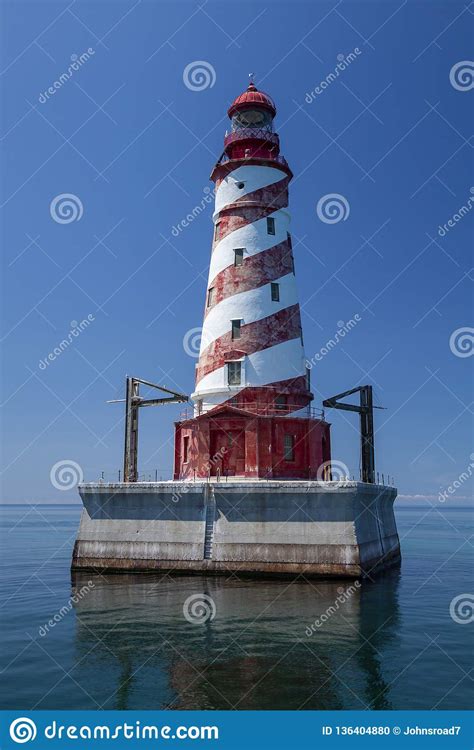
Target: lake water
{"x":126,"y":644}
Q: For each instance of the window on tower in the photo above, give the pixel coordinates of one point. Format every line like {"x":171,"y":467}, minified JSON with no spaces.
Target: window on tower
{"x":289,"y":447}
{"x":280,"y":403}
{"x":234,"y":373}
{"x":236,"y":324}
{"x":210,"y":296}
{"x":275,"y":290}
{"x":217,"y":231}
{"x":270,"y":225}
{"x":238,"y":256}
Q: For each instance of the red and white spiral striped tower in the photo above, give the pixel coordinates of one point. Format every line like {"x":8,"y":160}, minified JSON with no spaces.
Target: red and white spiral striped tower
{"x":252,"y":396}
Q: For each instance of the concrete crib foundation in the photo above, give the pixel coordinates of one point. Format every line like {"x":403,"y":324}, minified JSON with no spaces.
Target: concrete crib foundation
{"x":250,"y":527}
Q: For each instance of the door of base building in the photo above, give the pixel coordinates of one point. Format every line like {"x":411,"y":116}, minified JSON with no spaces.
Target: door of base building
{"x":227,"y":452}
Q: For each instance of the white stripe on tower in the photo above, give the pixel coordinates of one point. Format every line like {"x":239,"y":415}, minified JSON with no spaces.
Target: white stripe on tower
{"x":248,"y":307}
{"x":253,"y":237}
{"x":251,"y":178}
{"x":278,"y":360}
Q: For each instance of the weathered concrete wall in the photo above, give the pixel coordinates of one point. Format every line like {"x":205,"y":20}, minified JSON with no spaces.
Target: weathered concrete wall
{"x":274,"y":527}
{"x":162,"y":521}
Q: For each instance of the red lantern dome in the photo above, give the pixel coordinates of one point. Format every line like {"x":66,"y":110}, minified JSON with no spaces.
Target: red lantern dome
{"x":252,"y":97}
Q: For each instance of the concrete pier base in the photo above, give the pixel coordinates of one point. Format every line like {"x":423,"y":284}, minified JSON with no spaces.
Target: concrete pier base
{"x":248,"y":527}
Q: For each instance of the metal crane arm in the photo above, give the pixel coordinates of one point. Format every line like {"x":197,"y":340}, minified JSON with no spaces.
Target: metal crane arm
{"x":133,"y":402}
{"x":366,"y":411}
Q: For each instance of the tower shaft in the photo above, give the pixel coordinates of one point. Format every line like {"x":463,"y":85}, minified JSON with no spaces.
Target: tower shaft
{"x":252,"y":395}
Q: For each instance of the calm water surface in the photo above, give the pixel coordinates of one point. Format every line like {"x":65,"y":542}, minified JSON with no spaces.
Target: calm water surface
{"x":126,"y":644}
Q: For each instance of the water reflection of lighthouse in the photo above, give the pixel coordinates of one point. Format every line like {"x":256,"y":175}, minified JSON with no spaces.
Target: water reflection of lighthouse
{"x":254,"y":654}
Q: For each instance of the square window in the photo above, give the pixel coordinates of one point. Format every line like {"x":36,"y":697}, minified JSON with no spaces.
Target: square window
{"x":236,"y":324}
{"x":289,"y":448}
{"x":280,"y":403}
{"x":186,"y":449}
{"x":275,"y":288}
{"x":234,"y":373}
{"x":238,"y":256}
{"x":270,"y":225}
{"x":210,"y":296}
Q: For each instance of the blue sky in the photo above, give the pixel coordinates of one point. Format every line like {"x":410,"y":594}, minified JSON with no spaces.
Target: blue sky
{"x":135,"y":145}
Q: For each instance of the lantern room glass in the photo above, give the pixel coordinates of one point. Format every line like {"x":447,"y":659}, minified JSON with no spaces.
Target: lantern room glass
{"x":255,"y":118}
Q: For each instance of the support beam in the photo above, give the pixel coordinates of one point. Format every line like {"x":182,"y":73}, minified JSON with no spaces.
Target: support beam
{"x":130,"y":458}
{"x":367,"y":435}
{"x":133,"y":402}
{"x":366,"y":411}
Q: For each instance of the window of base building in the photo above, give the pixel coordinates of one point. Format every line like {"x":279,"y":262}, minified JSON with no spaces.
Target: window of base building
{"x":280,"y":403}
{"x":186,"y":449}
{"x":289,"y":448}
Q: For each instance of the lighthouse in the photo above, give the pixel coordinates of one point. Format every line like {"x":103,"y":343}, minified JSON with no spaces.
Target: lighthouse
{"x":254,"y":488}
{"x":253,"y":416}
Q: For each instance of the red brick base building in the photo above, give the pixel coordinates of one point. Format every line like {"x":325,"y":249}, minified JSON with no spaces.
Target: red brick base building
{"x":231,"y":442}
